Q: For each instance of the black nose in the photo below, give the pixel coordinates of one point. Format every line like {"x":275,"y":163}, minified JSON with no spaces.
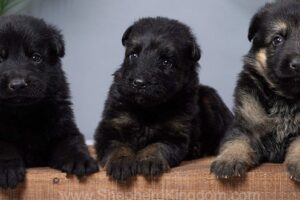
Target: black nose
{"x":138,"y":83}
{"x":295,"y":64}
{"x":17,"y":84}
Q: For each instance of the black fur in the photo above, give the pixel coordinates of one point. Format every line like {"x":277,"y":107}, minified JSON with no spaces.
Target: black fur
{"x":156,"y":113}
{"x":37,"y":124}
{"x":270,"y":85}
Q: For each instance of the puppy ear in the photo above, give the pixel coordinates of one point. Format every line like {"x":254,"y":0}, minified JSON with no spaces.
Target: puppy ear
{"x":256,"y":21}
{"x":196,"y":52}
{"x":57,"y":43}
{"x":126,"y":35}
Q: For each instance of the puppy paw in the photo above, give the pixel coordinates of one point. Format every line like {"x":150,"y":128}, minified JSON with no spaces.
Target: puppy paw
{"x":121,"y":168}
{"x":293,"y":169}
{"x":12,"y":172}
{"x":225,"y":169}
{"x":80,"y":165}
{"x":152,"y":166}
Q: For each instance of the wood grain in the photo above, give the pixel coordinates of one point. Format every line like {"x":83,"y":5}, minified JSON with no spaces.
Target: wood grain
{"x":189,"y":181}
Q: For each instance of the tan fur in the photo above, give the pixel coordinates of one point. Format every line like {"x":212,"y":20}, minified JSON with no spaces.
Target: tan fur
{"x":152,"y":151}
{"x":253,"y":112}
{"x":121,"y":121}
{"x":237,"y":149}
{"x":261,"y":65}
{"x":293,"y":152}
{"x":177,"y":125}
{"x":123,"y":152}
{"x":280,"y":26}
{"x":149,"y":151}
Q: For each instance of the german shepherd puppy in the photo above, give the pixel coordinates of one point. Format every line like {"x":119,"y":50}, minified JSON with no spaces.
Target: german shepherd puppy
{"x":156,"y":113}
{"x":267,"y":97}
{"x":37,"y":123}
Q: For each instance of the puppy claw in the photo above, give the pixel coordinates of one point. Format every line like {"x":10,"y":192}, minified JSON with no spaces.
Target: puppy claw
{"x":224,"y":169}
{"x":81,"y":166}
{"x":294,"y":171}
{"x":153,"y":166}
{"x":11,"y":174}
{"x":121,"y":169}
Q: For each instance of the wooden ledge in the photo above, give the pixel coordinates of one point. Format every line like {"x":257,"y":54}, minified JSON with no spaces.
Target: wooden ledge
{"x":191,"y":180}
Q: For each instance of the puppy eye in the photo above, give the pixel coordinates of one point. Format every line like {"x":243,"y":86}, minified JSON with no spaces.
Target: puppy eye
{"x":277,"y":40}
{"x":167,"y":63}
{"x":36,"y":57}
{"x":133,"y":56}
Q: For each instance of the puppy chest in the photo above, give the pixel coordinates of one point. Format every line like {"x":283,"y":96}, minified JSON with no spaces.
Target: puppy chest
{"x":146,"y":134}
{"x":285,"y":121}
{"x":281,"y":129}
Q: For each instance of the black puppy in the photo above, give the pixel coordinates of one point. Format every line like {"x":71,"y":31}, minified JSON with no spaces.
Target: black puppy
{"x":267,"y":97}
{"x":37,"y":126}
{"x":156,"y":113}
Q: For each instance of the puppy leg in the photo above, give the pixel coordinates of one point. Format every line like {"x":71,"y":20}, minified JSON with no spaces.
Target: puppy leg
{"x":71,"y":156}
{"x":70,"y":153}
{"x":235,"y":159}
{"x":293,"y":160}
{"x":121,"y":163}
{"x":157,"y":158}
{"x":112,"y":147}
{"x":12,"y":167}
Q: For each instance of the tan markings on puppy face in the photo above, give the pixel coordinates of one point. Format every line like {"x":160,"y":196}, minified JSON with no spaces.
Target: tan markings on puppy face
{"x":237,"y":149}
{"x":261,"y":65}
{"x":254,"y":114}
{"x":279,"y":26}
{"x":293,"y":152}
{"x":121,"y":121}
{"x":259,"y":62}
{"x":261,"y":57}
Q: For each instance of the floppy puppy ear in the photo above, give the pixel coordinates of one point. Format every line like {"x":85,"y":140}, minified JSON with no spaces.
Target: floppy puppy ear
{"x":57,"y":43}
{"x":126,"y":35}
{"x":196,"y":52}
{"x":256,"y":21}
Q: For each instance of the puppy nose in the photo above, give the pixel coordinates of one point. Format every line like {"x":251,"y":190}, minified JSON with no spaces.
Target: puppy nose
{"x":17,"y":84}
{"x":138,"y":83}
{"x":295,"y":64}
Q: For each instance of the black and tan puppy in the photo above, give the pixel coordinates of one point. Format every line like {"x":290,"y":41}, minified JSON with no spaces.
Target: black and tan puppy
{"x":156,"y":113}
{"x":267,"y":97}
{"x":37,"y":126}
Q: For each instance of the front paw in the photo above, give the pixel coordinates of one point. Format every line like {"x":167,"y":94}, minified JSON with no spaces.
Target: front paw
{"x":121,"y":168}
{"x":226,"y":169}
{"x":293,"y":169}
{"x":152,"y":166}
{"x":79,"y":165}
{"x":12,"y":172}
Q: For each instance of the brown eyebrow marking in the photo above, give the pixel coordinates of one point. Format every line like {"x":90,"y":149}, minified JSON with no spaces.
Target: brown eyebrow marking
{"x":279,"y":26}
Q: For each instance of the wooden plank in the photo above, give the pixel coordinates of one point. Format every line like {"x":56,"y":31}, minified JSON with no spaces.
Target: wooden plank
{"x":191,"y":180}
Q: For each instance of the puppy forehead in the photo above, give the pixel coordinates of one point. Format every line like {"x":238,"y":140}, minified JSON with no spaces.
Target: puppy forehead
{"x":154,"y":42}
{"x":14,"y":36}
{"x":278,"y":25}
{"x":283,"y":18}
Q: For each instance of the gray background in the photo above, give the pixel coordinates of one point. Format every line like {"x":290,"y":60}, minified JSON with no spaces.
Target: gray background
{"x":93,"y":30}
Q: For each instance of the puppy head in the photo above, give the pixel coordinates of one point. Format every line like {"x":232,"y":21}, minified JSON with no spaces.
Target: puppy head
{"x":161,"y":58}
{"x":275,"y":32}
{"x":29,"y":53}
